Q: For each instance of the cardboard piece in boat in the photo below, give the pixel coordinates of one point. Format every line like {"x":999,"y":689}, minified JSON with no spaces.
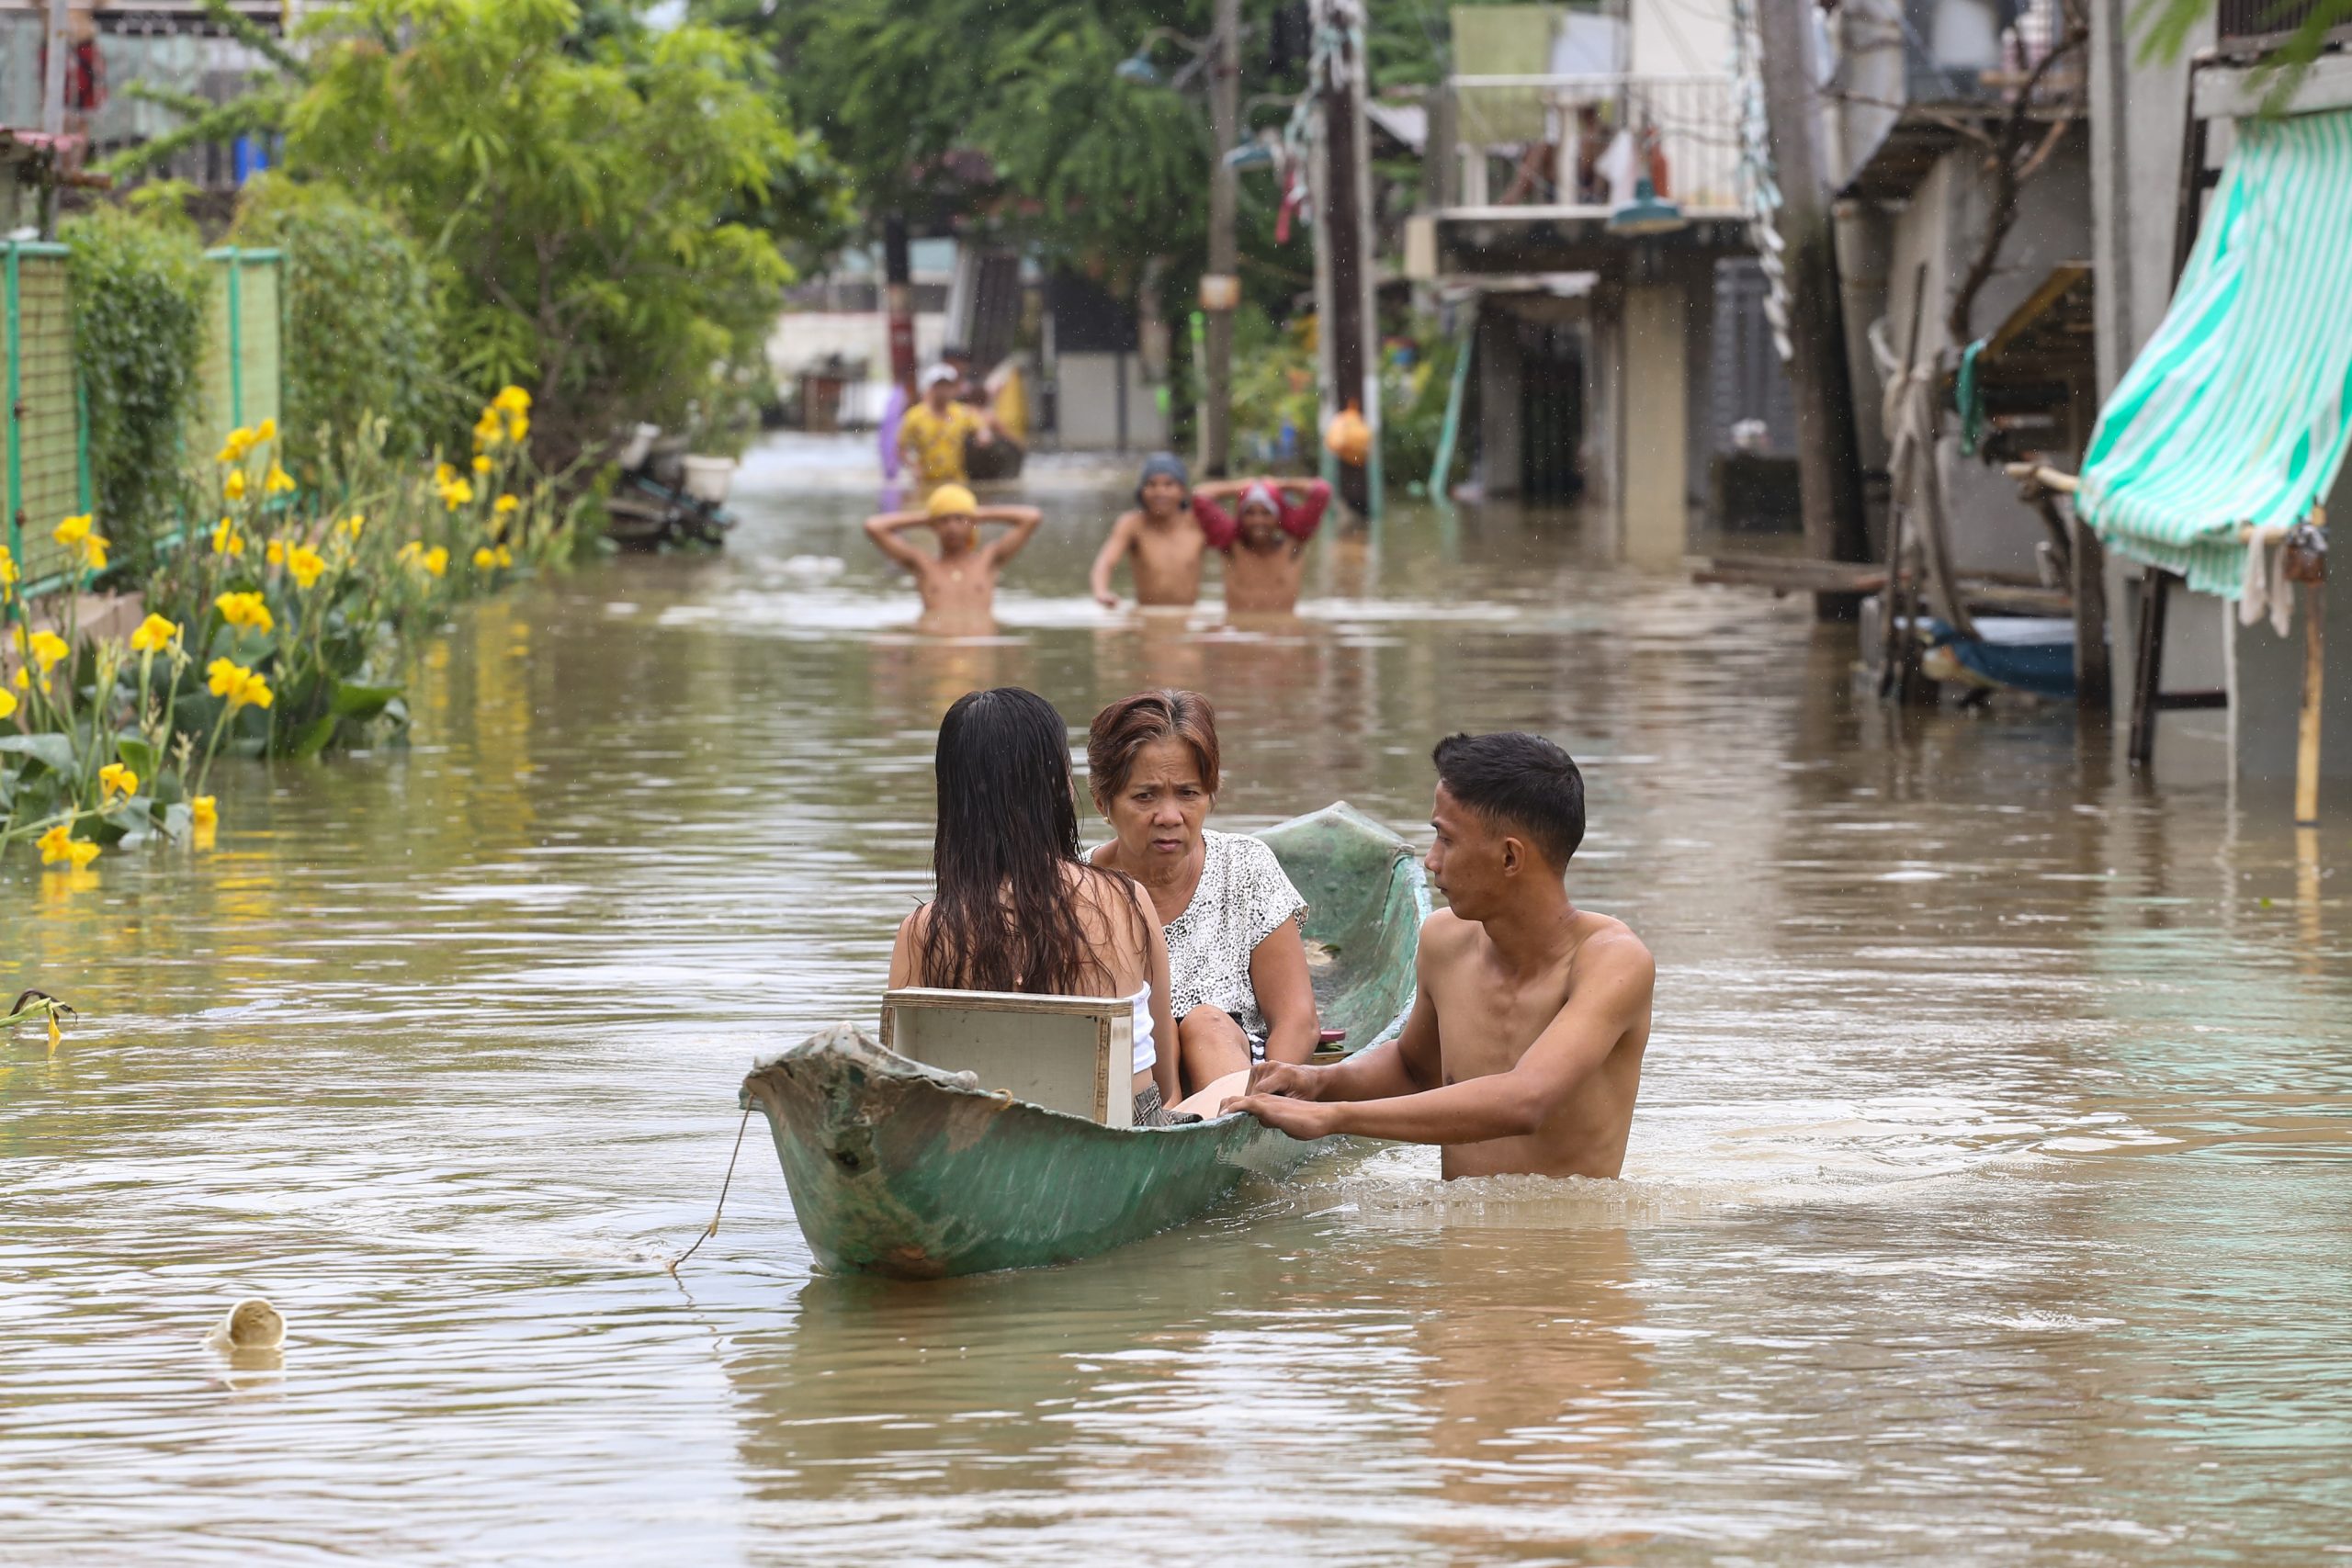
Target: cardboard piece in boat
{"x":1075,"y":1054}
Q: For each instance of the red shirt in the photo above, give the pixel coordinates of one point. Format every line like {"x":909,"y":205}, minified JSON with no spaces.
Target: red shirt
{"x":1298,"y":521}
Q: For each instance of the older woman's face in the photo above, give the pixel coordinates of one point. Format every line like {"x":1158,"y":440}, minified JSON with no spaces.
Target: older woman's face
{"x":1157,"y":815}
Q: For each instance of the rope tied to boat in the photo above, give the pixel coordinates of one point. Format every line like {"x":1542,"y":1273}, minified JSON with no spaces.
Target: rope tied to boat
{"x":712,"y":1229}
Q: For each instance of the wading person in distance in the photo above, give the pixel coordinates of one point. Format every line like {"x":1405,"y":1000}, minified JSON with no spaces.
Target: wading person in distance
{"x":933,"y":435}
{"x":1264,"y":541}
{"x":958,"y":584}
{"x":1160,"y":538}
{"x":1523,"y":1052}
{"x":1017,"y":908}
{"x":1237,"y":960}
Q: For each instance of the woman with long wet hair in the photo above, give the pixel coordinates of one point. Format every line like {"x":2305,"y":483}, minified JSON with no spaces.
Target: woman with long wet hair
{"x":1018,"y":909}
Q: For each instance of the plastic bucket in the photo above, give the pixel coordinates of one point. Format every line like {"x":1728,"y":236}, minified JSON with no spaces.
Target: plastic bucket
{"x":709,"y":479}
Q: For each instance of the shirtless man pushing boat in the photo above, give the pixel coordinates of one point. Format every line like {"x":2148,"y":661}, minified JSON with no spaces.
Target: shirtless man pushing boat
{"x":1523,"y":1051}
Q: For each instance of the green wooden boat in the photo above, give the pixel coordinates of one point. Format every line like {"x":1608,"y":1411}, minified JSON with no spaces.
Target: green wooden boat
{"x":898,"y":1169}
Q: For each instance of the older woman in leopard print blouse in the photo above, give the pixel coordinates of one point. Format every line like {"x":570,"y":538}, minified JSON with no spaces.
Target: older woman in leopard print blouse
{"x":1238,"y":972}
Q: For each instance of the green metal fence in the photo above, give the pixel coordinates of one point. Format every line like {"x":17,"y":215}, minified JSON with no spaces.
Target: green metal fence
{"x":241,"y":379}
{"x":46,"y":462}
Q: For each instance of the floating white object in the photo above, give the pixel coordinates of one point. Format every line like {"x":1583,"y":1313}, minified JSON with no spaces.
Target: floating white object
{"x":252,"y":1325}
{"x":640,"y":442}
{"x":709,"y":479}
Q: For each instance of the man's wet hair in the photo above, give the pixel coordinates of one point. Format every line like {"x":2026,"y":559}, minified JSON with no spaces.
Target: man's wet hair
{"x":1518,"y":782}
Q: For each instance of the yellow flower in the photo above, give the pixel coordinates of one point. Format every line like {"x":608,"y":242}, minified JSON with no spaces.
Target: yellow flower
{"x":456,"y":492}
{"x":505,"y":504}
{"x":442,"y":473}
{"x":274,"y":553}
{"x":115,"y":779}
{"x":59,"y":843}
{"x":47,"y":648}
{"x":246,"y":610}
{"x":203,"y":812}
{"x":511,"y":399}
{"x":483,"y":464}
{"x":7,"y":567}
{"x":436,"y":561}
{"x":234,"y":487}
{"x":488,"y":431}
{"x":268,"y":430}
{"x":277,"y":482}
{"x":74,"y":530}
{"x":231,"y":679}
{"x":7,"y":703}
{"x":226,"y":540}
{"x":303,"y":564}
{"x":94,"y":552}
{"x":410,"y":552}
{"x":517,"y":428}
{"x":240,"y":441}
{"x":352,"y":524}
{"x":154,"y":634}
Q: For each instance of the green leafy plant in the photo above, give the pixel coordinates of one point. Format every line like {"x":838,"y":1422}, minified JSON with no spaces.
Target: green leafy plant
{"x":138,"y":294}
{"x":583,"y":209}
{"x":280,"y":631}
{"x":362,"y":337}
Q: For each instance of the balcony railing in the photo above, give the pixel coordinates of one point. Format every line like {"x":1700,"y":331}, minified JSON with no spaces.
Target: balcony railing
{"x":1547,"y":141}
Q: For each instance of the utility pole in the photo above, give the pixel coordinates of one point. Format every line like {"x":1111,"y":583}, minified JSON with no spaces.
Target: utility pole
{"x":53,"y":86}
{"x":1221,"y":289}
{"x":1342,"y":238}
{"x":1828,"y":467}
{"x":898,"y":300}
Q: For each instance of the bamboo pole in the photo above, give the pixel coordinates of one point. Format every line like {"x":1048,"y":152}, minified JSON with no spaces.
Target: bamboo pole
{"x":2307,"y":729}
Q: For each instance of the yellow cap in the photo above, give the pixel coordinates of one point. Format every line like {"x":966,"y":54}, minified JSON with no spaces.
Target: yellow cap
{"x":951,"y":501}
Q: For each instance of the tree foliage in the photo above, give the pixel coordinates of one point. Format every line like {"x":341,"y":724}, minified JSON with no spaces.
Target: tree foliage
{"x":601,"y":219}
{"x":362,"y":338}
{"x":1068,"y":155}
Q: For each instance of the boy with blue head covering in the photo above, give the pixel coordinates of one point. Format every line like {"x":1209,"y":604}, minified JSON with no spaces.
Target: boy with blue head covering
{"x":1160,"y":538}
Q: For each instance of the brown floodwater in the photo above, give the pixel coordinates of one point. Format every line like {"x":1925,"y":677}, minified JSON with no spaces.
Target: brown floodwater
{"x":1990,"y":1197}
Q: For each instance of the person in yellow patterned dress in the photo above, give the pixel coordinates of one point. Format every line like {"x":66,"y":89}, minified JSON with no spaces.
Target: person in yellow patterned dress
{"x":933,"y":434}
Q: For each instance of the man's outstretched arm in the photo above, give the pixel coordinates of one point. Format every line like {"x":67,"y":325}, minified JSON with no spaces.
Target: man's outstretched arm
{"x":1609,"y":1000}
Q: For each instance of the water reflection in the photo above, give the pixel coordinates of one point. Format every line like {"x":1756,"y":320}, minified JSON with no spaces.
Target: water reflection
{"x":1986,"y":1197}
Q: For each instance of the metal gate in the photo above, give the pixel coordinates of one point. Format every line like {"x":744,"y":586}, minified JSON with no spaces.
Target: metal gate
{"x":240,"y":381}
{"x":47,"y":474}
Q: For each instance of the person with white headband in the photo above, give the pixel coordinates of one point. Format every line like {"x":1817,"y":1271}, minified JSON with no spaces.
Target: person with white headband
{"x":1264,"y":539}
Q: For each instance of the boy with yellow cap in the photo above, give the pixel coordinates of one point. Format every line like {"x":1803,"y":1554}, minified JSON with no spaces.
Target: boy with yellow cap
{"x":958,"y":584}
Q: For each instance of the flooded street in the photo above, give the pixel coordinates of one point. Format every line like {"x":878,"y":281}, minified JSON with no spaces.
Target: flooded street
{"x":1990,"y":1197}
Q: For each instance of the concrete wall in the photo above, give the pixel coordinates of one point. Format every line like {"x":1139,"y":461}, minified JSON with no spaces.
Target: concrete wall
{"x":1089,"y":410}
{"x":2267,"y":681}
{"x":1678,"y":38}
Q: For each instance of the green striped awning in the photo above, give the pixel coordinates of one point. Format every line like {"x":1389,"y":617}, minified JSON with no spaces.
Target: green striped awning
{"x":2235,"y":411}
